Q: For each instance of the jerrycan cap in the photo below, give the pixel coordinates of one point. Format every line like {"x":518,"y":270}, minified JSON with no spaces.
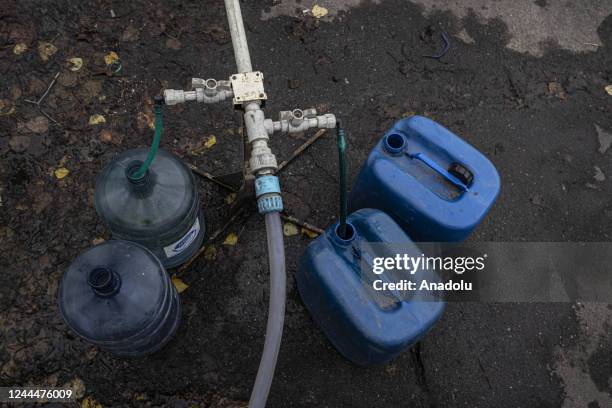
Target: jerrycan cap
{"x":351,"y":234}
{"x":394,"y":143}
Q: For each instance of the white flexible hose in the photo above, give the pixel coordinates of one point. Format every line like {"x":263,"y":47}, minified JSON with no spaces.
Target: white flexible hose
{"x":276,"y":311}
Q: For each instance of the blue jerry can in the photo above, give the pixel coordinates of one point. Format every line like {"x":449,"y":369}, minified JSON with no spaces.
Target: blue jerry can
{"x":336,"y":284}
{"x":435,"y":185}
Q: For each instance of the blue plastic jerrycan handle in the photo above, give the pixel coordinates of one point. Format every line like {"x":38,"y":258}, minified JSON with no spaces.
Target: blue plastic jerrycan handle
{"x":436,"y":167}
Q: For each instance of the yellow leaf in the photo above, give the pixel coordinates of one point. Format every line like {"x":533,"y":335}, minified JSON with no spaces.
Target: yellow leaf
{"x":210,"y":253}
{"x":46,"y":50}
{"x":609,"y":89}
{"x":74,"y":64}
{"x":97,"y":241}
{"x":111,"y":58}
{"x":289,"y":229}
{"x":318,"y":11}
{"x":310,"y":234}
{"x":20,"y":48}
{"x":61,"y":172}
{"x":90,"y":402}
{"x":179,"y":284}
{"x":210,"y":142}
{"x":96,"y":119}
{"x":231,"y":239}
{"x":231,"y":197}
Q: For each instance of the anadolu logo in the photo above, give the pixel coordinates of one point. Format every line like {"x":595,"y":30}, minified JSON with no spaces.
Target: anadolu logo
{"x":186,"y":240}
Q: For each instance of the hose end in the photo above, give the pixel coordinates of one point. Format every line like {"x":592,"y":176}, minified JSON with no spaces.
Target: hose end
{"x":267,"y":191}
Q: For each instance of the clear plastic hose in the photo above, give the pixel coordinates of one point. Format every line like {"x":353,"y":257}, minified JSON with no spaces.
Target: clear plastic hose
{"x":276,"y":311}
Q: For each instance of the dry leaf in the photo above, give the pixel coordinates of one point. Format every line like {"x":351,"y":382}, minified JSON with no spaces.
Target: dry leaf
{"x":106,"y":136}
{"x":20,"y":48}
{"x":39,"y":124}
{"x":74,"y":64}
{"x":111,"y":58}
{"x":173,"y":44}
{"x":61,"y":172}
{"x":179,"y":284}
{"x":231,"y":197}
{"x":97,"y":241}
{"x":318,"y":11}
{"x":310,"y":234}
{"x":231,"y":239}
{"x":90,"y":402}
{"x":608,"y":89}
{"x":46,"y":50}
{"x":6,"y":107}
{"x":210,"y":253}
{"x":290,"y":229}
{"x":96,"y":119}
{"x":77,"y":386}
{"x":210,"y":142}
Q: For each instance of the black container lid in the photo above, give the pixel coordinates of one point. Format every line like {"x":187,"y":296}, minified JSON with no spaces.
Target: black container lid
{"x":113,"y":291}
{"x":151,"y":206}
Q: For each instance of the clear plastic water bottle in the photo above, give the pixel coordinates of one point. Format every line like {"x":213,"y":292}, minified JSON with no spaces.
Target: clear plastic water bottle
{"x":159,"y":210}
{"x":118,"y":296}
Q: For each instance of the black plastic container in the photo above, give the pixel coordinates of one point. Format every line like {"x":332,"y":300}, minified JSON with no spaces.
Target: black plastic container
{"x":160,"y":210}
{"x":118,"y":296}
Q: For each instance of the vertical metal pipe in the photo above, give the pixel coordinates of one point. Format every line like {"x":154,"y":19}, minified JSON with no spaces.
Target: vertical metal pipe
{"x":239,"y":40}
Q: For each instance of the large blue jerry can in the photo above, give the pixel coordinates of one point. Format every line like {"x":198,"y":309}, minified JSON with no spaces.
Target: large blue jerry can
{"x":435,"y":185}
{"x":335,"y":281}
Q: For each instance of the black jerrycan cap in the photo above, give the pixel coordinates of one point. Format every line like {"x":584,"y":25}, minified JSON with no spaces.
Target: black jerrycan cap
{"x":118,"y":296}
{"x":159,"y":210}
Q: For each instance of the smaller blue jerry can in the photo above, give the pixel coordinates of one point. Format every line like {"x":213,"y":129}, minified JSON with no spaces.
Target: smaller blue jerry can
{"x":337,"y":284}
{"x":435,"y":185}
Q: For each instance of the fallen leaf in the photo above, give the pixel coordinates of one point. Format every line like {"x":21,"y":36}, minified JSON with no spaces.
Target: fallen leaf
{"x":6,"y":107}
{"x":111,"y":58}
{"x":231,"y":197}
{"x":599,"y":174}
{"x":310,"y":234}
{"x":173,"y":44}
{"x":231,"y":239}
{"x":96,"y":119}
{"x":97,"y":241}
{"x":90,"y":402}
{"x":605,"y":139}
{"x":106,"y":136}
{"x":179,"y":284}
{"x":210,"y":253}
{"x":61,"y":172}
{"x":289,"y":229}
{"x":75,"y":63}
{"x":210,"y":142}
{"x":318,"y":11}
{"x":39,"y":124}
{"x":145,"y":119}
{"x":46,"y":50}
{"x":131,"y":33}
{"x":19,"y":48}
{"x":19,"y":144}
{"x":77,"y":386}
{"x":608,"y":89}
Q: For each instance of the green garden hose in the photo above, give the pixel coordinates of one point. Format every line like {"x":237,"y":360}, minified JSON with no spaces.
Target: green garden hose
{"x":159,"y":125}
{"x":343,"y":178}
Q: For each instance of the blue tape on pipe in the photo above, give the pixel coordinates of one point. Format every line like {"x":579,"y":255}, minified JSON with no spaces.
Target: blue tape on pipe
{"x":266,"y":185}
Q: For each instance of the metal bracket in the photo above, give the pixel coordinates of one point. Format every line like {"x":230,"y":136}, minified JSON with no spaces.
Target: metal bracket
{"x":248,"y":86}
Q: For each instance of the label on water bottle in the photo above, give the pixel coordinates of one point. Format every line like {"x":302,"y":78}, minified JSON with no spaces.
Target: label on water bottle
{"x":180,"y":245}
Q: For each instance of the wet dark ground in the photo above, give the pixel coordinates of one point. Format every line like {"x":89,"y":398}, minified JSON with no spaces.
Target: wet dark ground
{"x":533,"y":117}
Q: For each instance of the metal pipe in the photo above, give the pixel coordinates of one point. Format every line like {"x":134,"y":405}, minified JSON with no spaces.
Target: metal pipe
{"x":262,"y":164}
{"x":239,"y":40}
